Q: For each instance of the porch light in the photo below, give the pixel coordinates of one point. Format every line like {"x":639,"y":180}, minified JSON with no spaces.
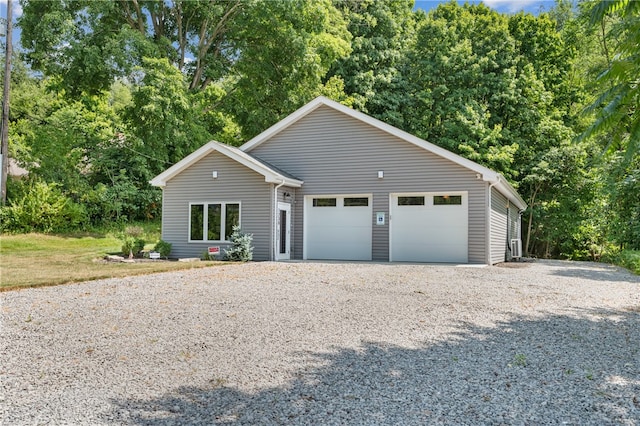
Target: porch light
{"x":380,"y":174}
{"x":214,"y":174}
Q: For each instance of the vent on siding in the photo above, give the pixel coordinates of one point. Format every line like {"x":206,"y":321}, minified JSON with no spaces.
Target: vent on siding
{"x":516,"y":248}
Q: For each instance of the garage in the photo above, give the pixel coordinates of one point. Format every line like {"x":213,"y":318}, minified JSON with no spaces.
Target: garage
{"x":429,"y":227}
{"x":338,"y":227}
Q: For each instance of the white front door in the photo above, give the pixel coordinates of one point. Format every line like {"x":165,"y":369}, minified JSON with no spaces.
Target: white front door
{"x":283,"y":232}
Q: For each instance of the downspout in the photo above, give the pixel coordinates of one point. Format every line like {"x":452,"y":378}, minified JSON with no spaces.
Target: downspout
{"x":489,"y":222}
{"x":275,"y":220}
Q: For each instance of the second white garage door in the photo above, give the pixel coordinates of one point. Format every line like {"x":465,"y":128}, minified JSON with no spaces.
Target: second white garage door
{"x":338,"y":227}
{"x":429,"y":227}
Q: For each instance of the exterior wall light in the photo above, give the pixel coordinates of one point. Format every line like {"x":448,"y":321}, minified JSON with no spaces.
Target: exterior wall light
{"x":214,"y":174}
{"x":380,"y":174}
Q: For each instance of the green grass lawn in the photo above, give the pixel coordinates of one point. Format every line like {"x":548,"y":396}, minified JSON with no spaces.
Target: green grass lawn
{"x":34,"y":260}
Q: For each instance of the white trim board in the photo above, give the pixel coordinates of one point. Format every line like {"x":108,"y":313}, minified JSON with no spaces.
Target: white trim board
{"x":270,"y":175}
{"x":485,"y":173}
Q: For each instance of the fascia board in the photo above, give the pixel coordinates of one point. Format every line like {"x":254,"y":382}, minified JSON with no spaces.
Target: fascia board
{"x":321,"y":100}
{"x":270,"y":175}
{"x":162,"y":178}
{"x":487,"y":174}
{"x":509,"y":191}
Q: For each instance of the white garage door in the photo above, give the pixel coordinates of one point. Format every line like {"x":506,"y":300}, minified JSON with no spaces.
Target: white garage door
{"x":338,"y":227}
{"x":430,"y":227}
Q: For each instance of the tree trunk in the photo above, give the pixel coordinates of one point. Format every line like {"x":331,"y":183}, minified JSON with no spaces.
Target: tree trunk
{"x":4,"y":136}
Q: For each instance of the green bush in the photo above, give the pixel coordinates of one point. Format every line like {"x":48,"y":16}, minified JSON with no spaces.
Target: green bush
{"x":132,"y":243}
{"x":629,"y":259}
{"x":241,"y":249}
{"x":41,"y":207}
{"x":121,"y":201}
{"x":164,"y":248}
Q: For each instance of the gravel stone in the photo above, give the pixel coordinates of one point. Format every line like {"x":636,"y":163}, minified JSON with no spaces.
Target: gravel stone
{"x":548,"y":342}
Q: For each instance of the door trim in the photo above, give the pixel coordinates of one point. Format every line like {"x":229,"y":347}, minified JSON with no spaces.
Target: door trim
{"x":286,"y":232}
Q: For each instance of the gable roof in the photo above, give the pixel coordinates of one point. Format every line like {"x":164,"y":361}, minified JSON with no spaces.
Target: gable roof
{"x":488,"y":175}
{"x":270,"y":173}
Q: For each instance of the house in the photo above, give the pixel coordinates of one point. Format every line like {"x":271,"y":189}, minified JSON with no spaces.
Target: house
{"x":329,"y":182}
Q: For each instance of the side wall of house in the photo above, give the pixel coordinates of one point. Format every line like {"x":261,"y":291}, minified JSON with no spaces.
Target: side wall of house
{"x":235,"y":183}
{"x":336,"y":154}
{"x":499,"y":204}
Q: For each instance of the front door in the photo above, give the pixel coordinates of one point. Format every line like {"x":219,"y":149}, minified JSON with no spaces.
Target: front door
{"x":283,"y":232}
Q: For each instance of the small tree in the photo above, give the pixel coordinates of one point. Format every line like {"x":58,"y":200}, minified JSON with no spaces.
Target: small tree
{"x":132,"y":244}
{"x":241,"y":249}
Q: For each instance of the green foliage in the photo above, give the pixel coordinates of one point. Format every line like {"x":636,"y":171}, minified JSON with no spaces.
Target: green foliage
{"x":241,"y":249}
{"x":166,"y":126}
{"x":483,"y":86}
{"x":132,"y":242}
{"x":40,"y":207}
{"x":287,"y":47}
{"x":520,"y":360}
{"x":629,"y":259}
{"x":616,"y":107}
{"x":382,"y":33}
{"x":164,"y":248}
{"x":126,"y":89}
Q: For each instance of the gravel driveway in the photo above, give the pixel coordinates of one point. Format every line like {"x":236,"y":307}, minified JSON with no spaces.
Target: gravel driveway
{"x":328,"y":343}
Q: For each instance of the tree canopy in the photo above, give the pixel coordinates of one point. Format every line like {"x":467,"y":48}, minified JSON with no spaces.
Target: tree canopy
{"x":108,"y":94}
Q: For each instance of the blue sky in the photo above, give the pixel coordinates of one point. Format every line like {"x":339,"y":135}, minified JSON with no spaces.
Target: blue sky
{"x":503,"y":6}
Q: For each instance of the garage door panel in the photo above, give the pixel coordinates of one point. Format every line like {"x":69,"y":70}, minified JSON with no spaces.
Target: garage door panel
{"x":338,"y":233}
{"x":429,"y":233}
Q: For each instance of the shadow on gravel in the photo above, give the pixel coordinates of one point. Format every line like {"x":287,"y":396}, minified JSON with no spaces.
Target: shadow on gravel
{"x":582,"y":368}
{"x":592,"y":271}
{"x":611,"y":274}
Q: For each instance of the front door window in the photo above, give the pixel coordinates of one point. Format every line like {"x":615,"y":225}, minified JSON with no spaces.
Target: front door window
{"x":283,"y":232}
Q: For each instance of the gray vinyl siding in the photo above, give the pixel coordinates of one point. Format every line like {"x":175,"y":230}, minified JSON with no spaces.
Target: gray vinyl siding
{"x":514,"y":222}
{"x":380,"y":233}
{"x":235,"y":182}
{"x":514,"y":227}
{"x":337,"y":154}
{"x":498,"y":226}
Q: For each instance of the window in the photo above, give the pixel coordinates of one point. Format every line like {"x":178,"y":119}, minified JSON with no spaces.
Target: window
{"x":217,"y":224}
{"x":411,"y":201}
{"x":356,"y":202}
{"x":197,"y":219}
{"x":324,"y":202}
{"x":444,"y":200}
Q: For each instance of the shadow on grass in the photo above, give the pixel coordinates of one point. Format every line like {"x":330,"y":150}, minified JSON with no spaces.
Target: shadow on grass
{"x":579,"y":368}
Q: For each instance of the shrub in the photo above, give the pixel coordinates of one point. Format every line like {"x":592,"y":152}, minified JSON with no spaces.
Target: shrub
{"x":42,"y":207}
{"x":132,"y":244}
{"x":164,"y":248}
{"x":629,"y":259}
{"x":241,"y":249}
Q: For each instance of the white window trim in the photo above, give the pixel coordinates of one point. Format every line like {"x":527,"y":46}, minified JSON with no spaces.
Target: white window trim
{"x":339,"y":199}
{"x":205,"y":220}
{"x":428,"y":200}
